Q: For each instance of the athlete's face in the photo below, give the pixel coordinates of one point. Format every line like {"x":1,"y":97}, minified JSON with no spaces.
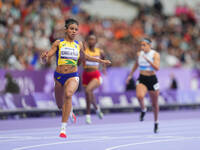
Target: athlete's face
{"x":72,"y":31}
{"x":92,"y":40}
{"x":145,"y":46}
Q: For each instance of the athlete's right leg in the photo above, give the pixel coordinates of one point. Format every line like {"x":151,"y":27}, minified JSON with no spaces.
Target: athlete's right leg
{"x":141,"y":91}
{"x":59,"y":90}
{"x":154,"y":98}
{"x":88,"y":111}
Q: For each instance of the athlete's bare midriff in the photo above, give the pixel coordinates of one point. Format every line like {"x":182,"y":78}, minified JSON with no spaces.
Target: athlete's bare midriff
{"x":147,"y":73}
{"x":65,"y":69}
{"x":90,"y":69}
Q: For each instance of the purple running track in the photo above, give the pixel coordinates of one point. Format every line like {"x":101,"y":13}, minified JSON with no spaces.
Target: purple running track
{"x":178,"y":130}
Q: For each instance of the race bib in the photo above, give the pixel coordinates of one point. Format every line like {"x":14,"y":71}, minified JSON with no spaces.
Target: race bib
{"x":91,"y":63}
{"x":137,"y":82}
{"x":156,"y":86}
{"x":69,"y":53}
{"x":77,"y":79}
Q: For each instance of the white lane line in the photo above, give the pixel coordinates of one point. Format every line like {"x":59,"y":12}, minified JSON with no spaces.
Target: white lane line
{"x":76,"y":136}
{"x":186,"y":123}
{"x":87,"y":137}
{"x":151,"y":142}
{"x":128,"y":129}
{"x":57,"y":143}
{"x":79,"y":141}
{"x":13,"y":137}
{"x":108,"y":138}
{"x":132,"y":125}
{"x":47,"y":137}
{"x":29,"y":138}
{"x":165,"y":132}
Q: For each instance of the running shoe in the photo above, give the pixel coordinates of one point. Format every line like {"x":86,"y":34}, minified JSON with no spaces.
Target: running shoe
{"x":156,"y":128}
{"x":142,"y":114}
{"x":63,"y":135}
{"x":73,"y":118}
{"x":88,"y":119}
{"x":100,"y":114}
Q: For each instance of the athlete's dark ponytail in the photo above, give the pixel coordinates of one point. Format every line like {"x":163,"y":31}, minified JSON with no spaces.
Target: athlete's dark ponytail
{"x":70,"y":21}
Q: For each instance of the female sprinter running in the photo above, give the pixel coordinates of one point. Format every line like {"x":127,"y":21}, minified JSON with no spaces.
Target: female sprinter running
{"x":91,"y":77}
{"x":67,"y":51}
{"x":148,"y":62}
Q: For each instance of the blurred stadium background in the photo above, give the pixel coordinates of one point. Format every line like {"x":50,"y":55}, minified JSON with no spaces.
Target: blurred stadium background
{"x":28,"y":27}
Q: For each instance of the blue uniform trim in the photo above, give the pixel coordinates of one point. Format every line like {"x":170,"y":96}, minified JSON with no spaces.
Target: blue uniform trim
{"x":62,"y":78}
{"x":61,"y":40}
{"x":146,"y":68}
{"x":76,"y":41}
{"x":57,"y":55}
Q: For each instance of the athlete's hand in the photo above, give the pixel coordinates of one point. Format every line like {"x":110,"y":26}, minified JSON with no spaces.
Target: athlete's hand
{"x":44,"y":57}
{"x":106,"y":62}
{"x":104,"y":70}
{"x":128,"y":79}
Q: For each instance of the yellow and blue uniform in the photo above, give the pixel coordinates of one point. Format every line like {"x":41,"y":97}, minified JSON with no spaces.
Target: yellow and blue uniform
{"x":67,"y":53}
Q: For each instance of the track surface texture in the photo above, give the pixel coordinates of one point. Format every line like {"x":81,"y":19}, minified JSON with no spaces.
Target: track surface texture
{"x":178,"y":130}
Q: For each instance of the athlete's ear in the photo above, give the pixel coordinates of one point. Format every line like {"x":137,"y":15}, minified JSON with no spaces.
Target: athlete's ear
{"x":65,"y":29}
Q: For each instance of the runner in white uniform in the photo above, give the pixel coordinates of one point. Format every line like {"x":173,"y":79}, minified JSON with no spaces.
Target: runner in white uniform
{"x":148,"y":61}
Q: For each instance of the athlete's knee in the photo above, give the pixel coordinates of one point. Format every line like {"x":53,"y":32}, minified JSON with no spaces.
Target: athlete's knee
{"x":68,"y":94}
{"x":155,"y":105}
{"x":88,"y":90}
{"x":140,"y":97}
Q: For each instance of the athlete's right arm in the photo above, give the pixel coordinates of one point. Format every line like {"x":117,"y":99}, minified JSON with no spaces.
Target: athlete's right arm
{"x":45,"y":56}
{"x":90,"y":58}
{"x":135,"y":66}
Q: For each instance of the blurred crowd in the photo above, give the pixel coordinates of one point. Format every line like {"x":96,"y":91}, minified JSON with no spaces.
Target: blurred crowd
{"x":28,"y":27}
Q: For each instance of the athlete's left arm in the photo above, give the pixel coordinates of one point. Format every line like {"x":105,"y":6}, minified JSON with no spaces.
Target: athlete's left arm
{"x":102,"y":53}
{"x":90,"y":58}
{"x":156,"y":62}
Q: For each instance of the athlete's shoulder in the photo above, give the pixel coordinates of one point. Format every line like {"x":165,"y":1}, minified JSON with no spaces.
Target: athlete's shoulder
{"x":97,"y":48}
{"x":61,"y":40}
{"x":81,"y":45}
{"x":101,"y":50}
{"x":139,"y":53}
{"x":56,"y":42}
{"x":156,"y":54}
{"x":155,"y":51}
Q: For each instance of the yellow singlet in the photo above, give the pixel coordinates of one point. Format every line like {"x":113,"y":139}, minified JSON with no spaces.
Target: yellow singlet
{"x":68,"y":53}
{"x":96,"y":53}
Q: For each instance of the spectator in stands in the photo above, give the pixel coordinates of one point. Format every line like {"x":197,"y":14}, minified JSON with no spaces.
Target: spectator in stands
{"x":24,"y":22}
{"x":11,"y":85}
{"x":174,"y":84}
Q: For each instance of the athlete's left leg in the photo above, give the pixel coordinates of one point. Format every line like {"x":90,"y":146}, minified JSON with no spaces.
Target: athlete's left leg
{"x":70,"y":88}
{"x":93,"y":84}
{"x":154,"y":99}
